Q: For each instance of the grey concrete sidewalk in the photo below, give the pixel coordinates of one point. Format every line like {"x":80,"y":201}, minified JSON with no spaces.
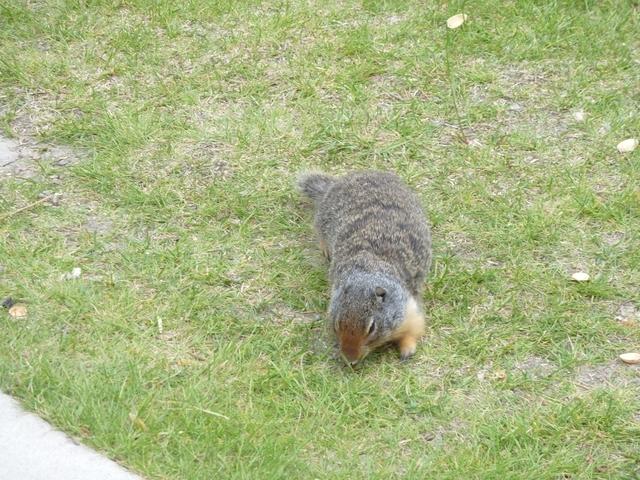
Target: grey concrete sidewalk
{"x":31,"y":449}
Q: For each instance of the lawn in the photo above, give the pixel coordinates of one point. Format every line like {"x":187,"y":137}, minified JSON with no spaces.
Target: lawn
{"x":159,"y":142}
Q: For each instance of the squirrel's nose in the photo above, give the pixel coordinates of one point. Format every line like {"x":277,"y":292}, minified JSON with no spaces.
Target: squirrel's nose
{"x":349,"y":360}
{"x":351,"y":350}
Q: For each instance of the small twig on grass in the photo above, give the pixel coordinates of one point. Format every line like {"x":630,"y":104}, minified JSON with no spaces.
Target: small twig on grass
{"x":209,"y":412}
{"x":183,"y":406}
{"x":26,"y":207}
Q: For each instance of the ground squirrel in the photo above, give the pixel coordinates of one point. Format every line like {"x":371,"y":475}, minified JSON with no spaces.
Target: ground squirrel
{"x":375,"y":234}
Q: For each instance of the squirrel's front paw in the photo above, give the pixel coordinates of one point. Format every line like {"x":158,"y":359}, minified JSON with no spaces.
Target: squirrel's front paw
{"x":407,"y":347}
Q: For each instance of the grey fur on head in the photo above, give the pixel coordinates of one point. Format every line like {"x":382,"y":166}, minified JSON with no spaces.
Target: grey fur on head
{"x":365,"y":297}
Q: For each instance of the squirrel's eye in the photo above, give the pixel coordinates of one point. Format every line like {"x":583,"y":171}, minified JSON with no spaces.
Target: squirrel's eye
{"x":372,"y":327}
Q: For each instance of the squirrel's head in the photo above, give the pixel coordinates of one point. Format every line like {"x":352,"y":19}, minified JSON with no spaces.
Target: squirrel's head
{"x":364,"y":312}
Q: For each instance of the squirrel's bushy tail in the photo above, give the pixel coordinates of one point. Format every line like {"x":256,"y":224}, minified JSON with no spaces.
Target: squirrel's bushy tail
{"x":314,"y":184}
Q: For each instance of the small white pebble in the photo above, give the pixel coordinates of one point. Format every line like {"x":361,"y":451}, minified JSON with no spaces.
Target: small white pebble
{"x":605,"y":128}
{"x":72,"y":275}
{"x":631,"y":358}
{"x":628,"y":145}
{"x":579,"y":116}
{"x":580,"y":276}
{"x":456,"y":20}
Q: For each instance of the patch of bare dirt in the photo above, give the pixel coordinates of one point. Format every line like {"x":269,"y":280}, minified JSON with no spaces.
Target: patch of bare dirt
{"x":462,"y":247}
{"x":175,"y":349}
{"x":206,"y":160}
{"x":628,"y":311}
{"x":25,"y":157}
{"x":436,"y":437}
{"x":211,"y":112}
{"x":613,"y":238}
{"x":92,"y":220}
{"x":518,"y":93}
{"x":613,"y":374}
{"x":18,"y":159}
{"x":535,"y":367}
{"x":625,"y":312}
{"x":283,"y":314}
{"x":98,"y":225}
{"x":8,"y":153}
{"x":630,"y":320}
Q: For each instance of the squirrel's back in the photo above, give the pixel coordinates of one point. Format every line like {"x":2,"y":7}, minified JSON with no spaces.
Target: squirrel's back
{"x":370,"y":221}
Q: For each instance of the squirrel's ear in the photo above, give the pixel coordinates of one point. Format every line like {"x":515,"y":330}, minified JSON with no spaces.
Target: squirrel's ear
{"x":380,"y":294}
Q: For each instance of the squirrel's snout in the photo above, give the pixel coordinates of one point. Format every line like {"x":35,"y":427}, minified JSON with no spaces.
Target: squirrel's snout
{"x":351,"y":363}
{"x":351,"y":348}
{"x":350,"y":357}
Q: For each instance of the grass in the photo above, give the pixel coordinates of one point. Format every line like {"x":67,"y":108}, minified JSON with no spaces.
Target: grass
{"x":193,"y":345}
